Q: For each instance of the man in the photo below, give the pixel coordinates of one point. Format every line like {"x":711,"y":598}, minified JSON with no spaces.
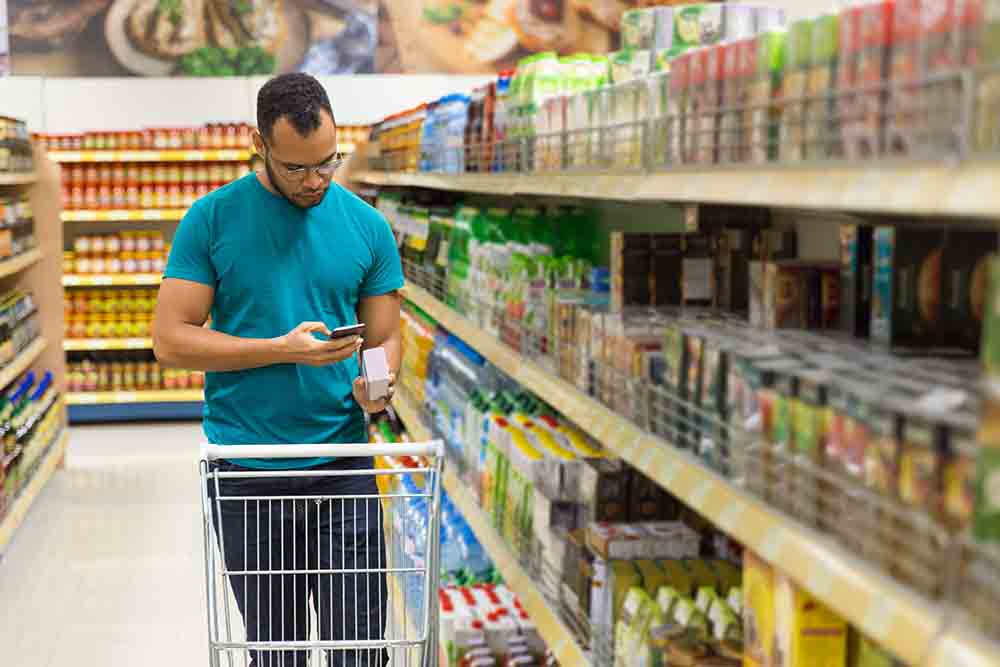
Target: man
{"x":279,"y":259}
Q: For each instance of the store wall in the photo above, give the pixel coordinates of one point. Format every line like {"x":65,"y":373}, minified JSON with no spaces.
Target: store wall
{"x":77,"y":104}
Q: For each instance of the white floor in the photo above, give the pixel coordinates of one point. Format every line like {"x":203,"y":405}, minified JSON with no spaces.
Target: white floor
{"x":108,"y":567}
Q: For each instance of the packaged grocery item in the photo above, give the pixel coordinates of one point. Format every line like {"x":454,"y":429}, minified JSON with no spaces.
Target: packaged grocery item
{"x":906,"y":299}
{"x":940,"y":57}
{"x":807,"y":633}
{"x":920,"y":460}
{"x":964,"y":274}
{"x":985,"y":50}
{"x":603,"y":491}
{"x":698,"y":270}
{"x":873,"y":71}
{"x":986,"y":519}
{"x":712,"y":109}
{"x":639,"y":615}
{"x":822,"y":126}
{"x":739,"y":71}
{"x":759,"y":622}
{"x":794,"y":106}
{"x":904,"y":72}
{"x":855,"y":279}
{"x":677,"y":108}
{"x":639,"y":28}
{"x":630,"y":269}
{"x":611,"y":582}
{"x":695,"y":104}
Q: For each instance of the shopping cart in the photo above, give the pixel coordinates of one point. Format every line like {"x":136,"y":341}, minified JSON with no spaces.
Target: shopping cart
{"x":299,"y":564}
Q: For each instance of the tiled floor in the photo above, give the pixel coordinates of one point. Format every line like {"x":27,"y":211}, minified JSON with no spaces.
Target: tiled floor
{"x":108,"y":567}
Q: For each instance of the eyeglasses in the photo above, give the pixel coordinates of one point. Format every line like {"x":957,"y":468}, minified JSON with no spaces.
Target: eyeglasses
{"x":324,"y":170}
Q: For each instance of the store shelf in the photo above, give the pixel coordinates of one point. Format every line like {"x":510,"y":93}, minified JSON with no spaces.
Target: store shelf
{"x":22,"y":362}
{"x":923,"y":189}
{"x":18,"y":179}
{"x":9,"y":267}
{"x":556,"y":634}
{"x":83,"y":344}
{"x":112,"y":280}
{"x":151,"y":156}
{"x":890,"y":614}
{"x":132,"y":397}
{"x":124,"y":406}
{"x":124,"y":215}
{"x":19,"y":510}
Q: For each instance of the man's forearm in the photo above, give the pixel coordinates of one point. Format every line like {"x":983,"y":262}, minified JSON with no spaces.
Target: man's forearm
{"x":202,"y":349}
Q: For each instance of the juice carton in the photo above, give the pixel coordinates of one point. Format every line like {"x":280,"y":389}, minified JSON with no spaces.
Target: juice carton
{"x":794,"y":91}
{"x":762,"y":121}
{"x":808,"y":634}
{"x":822,"y":125}
{"x":848,"y":80}
{"x":904,"y":72}
{"x":759,"y":612}
{"x":873,"y":70}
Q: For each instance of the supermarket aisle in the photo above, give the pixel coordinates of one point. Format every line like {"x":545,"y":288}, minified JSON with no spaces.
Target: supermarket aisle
{"x":107,"y":570}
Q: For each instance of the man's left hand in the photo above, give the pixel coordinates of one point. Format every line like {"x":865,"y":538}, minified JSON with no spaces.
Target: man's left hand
{"x":361,"y":395}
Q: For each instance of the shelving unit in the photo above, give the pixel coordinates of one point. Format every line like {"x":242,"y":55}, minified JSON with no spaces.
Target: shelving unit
{"x":15,"y":265}
{"x":166,"y":404}
{"x":84,"y":344}
{"x":17,"y":513}
{"x":18,"y":179}
{"x":966,"y":190}
{"x":906,"y":624}
{"x":112,"y":280}
{"x":139,"y":215}
{"x":38,"y":271}
{"x":222,"y":155}
{"x":555,"y":632}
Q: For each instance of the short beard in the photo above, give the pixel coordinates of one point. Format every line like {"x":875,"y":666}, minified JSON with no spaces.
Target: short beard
{"x":274,"y":182}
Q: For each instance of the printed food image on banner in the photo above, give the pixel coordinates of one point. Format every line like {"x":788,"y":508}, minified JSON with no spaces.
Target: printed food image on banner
{"x":4,"y":41}
{"x":472,"y":36}
{"x":192,"y":37}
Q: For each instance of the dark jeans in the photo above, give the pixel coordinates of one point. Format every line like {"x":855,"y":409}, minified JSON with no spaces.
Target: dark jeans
{"x":263,"y":538}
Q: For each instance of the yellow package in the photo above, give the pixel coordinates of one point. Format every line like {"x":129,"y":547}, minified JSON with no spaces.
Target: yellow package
{"x":639,"y":614}
{"x":758,"y":612}
{"x":678,"y":576}
{"x":622,"y":576}
{"x":653,"y":576}
{"x":808,"y":633}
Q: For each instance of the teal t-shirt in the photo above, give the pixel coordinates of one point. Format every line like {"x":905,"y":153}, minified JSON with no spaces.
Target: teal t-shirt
{"x":274,"y":266}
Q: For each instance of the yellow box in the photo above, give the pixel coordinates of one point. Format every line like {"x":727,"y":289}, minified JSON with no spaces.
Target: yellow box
{"x":758,"y":612}
{"x":808,"y":633}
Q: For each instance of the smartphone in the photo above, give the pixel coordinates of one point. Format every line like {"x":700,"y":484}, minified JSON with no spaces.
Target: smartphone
{"x":344,"y":332}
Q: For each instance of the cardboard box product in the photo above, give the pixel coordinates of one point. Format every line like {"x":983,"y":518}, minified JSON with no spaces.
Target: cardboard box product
{"x":808,"y":634}
{"x":855,"y":279}
{"x":964,"y":270}
{"x":667,"y":269}
{"x":699,"y":273}
{"x":611,"y":582}
{"x":375,"y":367}
{"x":759,"y":612}
{"x":635,"y":541}
{"x":906,"y":299}
{"x":647,"y":500}
{"x":603,"y":491}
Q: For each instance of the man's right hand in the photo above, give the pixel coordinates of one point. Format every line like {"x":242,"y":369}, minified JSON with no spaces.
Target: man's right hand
{"x":300,"y":346}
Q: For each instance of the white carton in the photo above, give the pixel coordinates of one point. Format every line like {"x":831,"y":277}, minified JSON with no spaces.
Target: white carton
{"x":375,"y":367}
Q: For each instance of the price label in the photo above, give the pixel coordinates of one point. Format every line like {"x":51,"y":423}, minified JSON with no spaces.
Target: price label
{"x":138,"y":343}
{"x":119,"y":215}
{"x":101,"y":280}
{"x":85,"y":399}
{"x":126,"y":397}
{"x":152,"y":215}
{"x":196,"y":156}
{"x":71,"y":281}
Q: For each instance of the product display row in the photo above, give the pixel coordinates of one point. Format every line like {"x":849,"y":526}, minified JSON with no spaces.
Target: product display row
{"x":160,"y":173}
{"x":212,"y":136}
{"x":31,"y":416}
{"x":726,"y":84}
{"x":15,"y":147}
{"x":107,"y":314}
{"x":17,"y":226}
{"x":650,"y":580}
{"x":125,"y":252}
{"x":126,"y":371}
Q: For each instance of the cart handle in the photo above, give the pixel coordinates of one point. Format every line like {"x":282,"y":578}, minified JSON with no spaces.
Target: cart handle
{"x":209,"y":452}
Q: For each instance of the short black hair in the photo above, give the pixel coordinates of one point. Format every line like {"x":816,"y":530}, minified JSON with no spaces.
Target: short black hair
{"x":296,"y":96}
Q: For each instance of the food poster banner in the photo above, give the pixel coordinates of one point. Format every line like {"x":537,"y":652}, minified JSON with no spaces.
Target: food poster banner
{"x":482,"y":36}
{"x":4,"y":40}
{"x":192,"y":37}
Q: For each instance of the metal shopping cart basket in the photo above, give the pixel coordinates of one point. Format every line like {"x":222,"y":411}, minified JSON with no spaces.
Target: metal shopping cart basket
{"x":325,"y":565}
